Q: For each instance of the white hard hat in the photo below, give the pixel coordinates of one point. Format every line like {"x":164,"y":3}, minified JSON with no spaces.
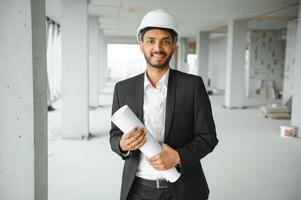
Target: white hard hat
{"x":160,"y":19}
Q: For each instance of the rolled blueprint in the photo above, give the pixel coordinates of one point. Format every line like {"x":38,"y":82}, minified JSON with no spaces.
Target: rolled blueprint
{"x":126,"y":120}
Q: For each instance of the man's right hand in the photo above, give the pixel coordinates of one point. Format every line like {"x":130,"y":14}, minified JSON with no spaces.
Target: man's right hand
{"x":132,"y":140}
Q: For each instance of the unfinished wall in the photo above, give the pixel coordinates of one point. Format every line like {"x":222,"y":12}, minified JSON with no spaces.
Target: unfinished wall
{"x":53,"y":10}
{"x":266,"y":60}
{"x":23,"y":101}
{"x":289,"y":60}
{"x":217,"y":63}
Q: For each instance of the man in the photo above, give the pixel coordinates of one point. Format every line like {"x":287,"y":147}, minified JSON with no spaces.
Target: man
{"x":176,"y":111}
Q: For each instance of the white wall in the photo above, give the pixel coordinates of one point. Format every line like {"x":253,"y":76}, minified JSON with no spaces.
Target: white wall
{"x":266,"y":61}
{"x":53,"y":10}
{"x":93,"y":61}
{"x":75,"y":118}
{"x":217,"y":63}
{"x":23,"y":101}
{"x":289,"y":60}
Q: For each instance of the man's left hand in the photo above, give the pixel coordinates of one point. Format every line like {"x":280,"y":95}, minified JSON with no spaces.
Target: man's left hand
{"x":166,"y":159}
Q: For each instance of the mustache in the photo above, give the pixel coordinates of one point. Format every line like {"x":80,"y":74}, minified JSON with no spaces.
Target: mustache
{"x":159,"y":52}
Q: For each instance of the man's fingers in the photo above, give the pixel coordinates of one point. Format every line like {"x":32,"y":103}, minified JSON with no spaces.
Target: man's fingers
{"x":132,"y":140}
{"x":158,"y":166}
{"x":136,"y":136}
{"x":126,"y":140}
{"x":136,"y":143}
{"x":142,"y":143}
{"x":130,"y":133}
{"x":138,"y":133}
{"x":153,"y":159}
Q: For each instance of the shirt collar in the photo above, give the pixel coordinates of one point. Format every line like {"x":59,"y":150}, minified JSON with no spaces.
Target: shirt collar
{"x":162,"y":82}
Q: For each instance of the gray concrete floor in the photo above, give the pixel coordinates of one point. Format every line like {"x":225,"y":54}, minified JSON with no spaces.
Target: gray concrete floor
{"x":251,"y":162}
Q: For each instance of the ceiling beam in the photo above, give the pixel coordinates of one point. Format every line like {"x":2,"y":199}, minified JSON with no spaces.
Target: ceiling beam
{"x":277,"y":10}
{"x":264,"y":16}
{"x":221,"y":29}
{"x":275,"y":18}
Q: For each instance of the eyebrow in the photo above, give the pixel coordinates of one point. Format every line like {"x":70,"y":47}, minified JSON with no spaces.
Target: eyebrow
{"x":160,"y":39}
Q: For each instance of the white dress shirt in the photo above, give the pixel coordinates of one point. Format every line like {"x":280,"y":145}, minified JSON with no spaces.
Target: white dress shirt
{"x":154,"y":109}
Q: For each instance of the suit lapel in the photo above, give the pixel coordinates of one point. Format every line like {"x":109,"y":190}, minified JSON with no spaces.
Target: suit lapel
{"x":170,"y":102}
{"x":140,"y":97}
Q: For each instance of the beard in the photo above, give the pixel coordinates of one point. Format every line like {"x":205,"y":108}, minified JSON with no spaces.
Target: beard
{"x":159,"y":65}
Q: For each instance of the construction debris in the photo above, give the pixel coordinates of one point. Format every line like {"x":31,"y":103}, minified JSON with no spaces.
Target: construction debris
{"x":275,"y":112}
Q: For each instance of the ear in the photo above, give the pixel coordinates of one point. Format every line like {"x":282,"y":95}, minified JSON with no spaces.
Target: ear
{"x":174,"y":47}
{"x":141,"y":46}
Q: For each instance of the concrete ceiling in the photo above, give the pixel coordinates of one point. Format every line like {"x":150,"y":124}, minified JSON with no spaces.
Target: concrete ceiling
{"x":122,"y":17}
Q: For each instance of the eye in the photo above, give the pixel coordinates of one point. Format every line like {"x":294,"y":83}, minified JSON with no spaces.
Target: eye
{"x":150,"y":41}
{"x":167,"y":42}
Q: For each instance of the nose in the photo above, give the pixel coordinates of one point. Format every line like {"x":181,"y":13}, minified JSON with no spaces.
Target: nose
{"x":158,"y":46}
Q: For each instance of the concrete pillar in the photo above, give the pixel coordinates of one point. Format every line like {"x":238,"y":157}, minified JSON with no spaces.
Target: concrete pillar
{"x":75,"y":97}
{"x":23,"y":100}
{"x":202,"y":51}
{"x":296,"y":100}
{"x":102,"y":61}
{"x":235,"y":69}
{"x":105,"y":53}
{"x":93,"y":62}
{"x":182,"y":54}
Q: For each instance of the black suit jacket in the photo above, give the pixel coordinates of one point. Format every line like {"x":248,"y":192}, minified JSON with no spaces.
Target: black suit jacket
{"x":189,"y":128}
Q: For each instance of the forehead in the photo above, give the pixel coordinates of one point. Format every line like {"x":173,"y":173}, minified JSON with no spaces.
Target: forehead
{"x":157,"y":33}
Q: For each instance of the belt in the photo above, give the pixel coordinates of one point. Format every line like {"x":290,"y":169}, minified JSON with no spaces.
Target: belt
{"x":159,"y":183}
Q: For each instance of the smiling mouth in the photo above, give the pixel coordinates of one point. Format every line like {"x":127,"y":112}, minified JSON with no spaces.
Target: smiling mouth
{"x":159,"y":55}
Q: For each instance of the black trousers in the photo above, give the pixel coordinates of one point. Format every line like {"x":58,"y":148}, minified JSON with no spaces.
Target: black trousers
{"x":141,"y":191}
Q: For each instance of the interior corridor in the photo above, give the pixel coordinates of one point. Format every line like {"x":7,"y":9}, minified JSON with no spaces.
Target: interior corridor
{"x":60,"y":60}
{"x":251,"y":161}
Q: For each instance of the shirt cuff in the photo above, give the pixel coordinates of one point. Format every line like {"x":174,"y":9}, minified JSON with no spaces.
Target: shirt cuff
{"x":125,"y":153}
